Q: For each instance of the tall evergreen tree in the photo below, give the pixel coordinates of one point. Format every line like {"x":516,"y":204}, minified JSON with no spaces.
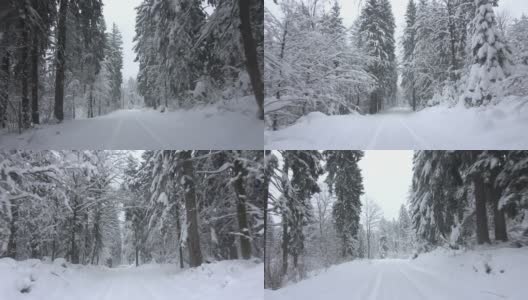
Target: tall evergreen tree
{"x":114,"y":64}
{"x":344,"y":179}
{"x":376,"y":36}
{"x":490,"y":57}
{"x":409,"y":44}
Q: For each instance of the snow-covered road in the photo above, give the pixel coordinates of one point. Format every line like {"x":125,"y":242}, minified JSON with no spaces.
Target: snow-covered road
{"x":206,"y":128}
{"x":435,"y":276}
{"x":233,"y":280}
{"x":437,"y":128}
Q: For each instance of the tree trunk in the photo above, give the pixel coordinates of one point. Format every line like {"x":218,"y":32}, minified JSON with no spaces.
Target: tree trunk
{"x":498,"y":215}
{"x":73,"y":254}
{"x":35,"y":81}
{"x":60,"y":61}
{"x":137,"y":256}
{"x":178,"y":227}
{"x":25,"y":76}
{"x":251,"y":53}
{"x":240,"y":174}
{"x":193,"y":237}
{"x":285,"y":242}
{"x":414,"y":98}
{"x":480,"y":208}
{"x":4,"y":89}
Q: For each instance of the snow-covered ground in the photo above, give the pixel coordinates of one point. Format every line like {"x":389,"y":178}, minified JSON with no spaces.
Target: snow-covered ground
{"x":502,"y":126}
{"x":481,"y":274}
{"x":201,"y":128}
{"x":230,"y":280}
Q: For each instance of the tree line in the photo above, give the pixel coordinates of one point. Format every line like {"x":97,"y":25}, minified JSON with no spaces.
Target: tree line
{"x":314,"y":63}
{"x":112,"y":207}
{"x":458,"y":195}
{"x":206,"y":203}
{"x":54,"y":55}
{"x":461,"y":50}
{"x":187,"y":57}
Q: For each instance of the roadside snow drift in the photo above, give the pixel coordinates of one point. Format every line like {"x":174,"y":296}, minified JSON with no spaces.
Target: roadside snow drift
{"x":502,"y":126}
{"x":439,"y":275}
{"x":33,"y":279}
{"x":212,"y":127}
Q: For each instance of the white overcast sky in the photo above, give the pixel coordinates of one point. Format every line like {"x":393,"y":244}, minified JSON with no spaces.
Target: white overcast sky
{"x":387,"y":176}
{"x":123,"y":13}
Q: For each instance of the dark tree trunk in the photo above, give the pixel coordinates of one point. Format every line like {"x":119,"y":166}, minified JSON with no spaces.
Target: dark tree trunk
{"x":498,"y":215}
{"x":285,"y":244}
{"x":74,"y":254}
{"x":137,"y":256}
{"x":266,"y":188}
{"x":25,"y":75}
{"x":251,"y":53}
{"x":60,"y":61}
{"x":193,"y":237}
{"x":35,"y":81}
{"x":53,"y":249}
{"x":178,"y":227}
{"x":4,"y":89}
{"x":414,"y":98}
{"x":480,"y":209}
{"x":240,"y":174}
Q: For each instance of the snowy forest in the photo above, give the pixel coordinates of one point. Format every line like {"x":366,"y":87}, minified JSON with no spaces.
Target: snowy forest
{"x":189,"y":57}
{"x":321,"y":224}
{"x":450,"y":53}
{"x":113,"y":207}
{"x":59,"y":61}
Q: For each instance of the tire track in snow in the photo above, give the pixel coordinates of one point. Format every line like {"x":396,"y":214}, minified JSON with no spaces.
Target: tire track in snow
{"x":374,"y":286}
{"x":374,"y":140}
{"x":421,"y":141}
{"x":152,"y":135}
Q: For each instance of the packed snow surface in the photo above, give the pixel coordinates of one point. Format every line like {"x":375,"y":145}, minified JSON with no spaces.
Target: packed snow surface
{"x":484,"y":274}
{"x":204,"y":128}
{"x":501,"y":126}
{"x":35,"y":280}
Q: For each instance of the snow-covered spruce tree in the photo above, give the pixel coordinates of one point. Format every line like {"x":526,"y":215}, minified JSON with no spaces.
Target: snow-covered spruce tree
{"x":376,"y":36}
{"x":517,"y":36}
{"x":294,"y":204}
{"x":409,"y":44}
{"x":345,"y":181}
{"x":490,"y":58}
{"x":512,"y":181}
{"x":114,"y":65}
{"x":438,"y":195}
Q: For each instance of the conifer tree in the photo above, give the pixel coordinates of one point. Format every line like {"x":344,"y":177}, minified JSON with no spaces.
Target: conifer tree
{"x":490,"y":57}
{"x":345,"y":181}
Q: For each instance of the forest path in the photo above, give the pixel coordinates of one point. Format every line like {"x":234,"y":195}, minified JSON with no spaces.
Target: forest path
{"x":204,"y":128}
{"x":392,"y":128}
{"x":437,"y":128}
{"x":432,"y":277}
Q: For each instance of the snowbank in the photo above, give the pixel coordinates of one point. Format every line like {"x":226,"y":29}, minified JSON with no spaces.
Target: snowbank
{"x":485,"y":273}
{"x":501,"y":126}
{"x":33,"y":279}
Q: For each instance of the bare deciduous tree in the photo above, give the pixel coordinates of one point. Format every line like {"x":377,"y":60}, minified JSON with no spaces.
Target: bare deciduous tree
{"x":371,"y":217}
